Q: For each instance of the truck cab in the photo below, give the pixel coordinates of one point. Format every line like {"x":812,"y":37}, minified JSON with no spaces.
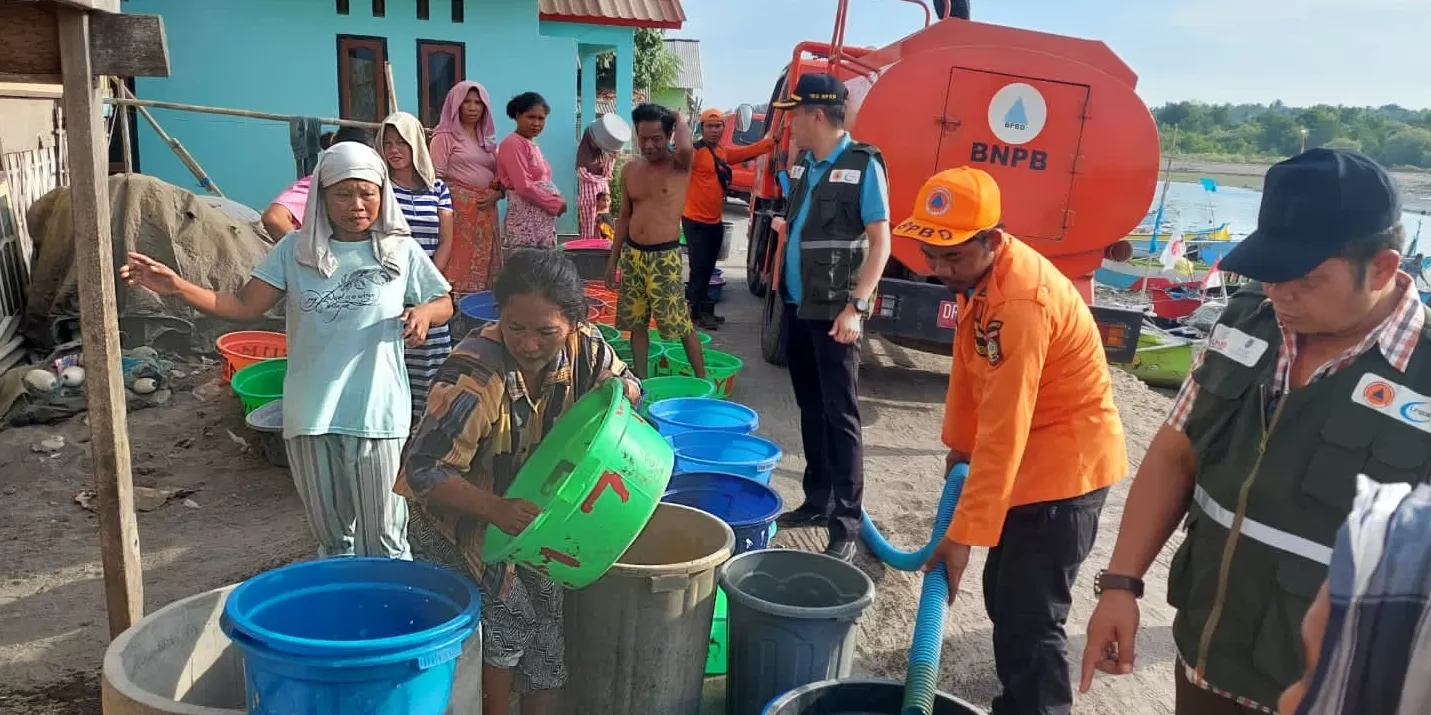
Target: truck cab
{"x":742,"y":174}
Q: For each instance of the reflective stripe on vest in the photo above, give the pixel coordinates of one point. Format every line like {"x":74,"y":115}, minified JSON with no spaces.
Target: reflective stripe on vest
{"x":862,"y":242}
{"x":1257,"y":531}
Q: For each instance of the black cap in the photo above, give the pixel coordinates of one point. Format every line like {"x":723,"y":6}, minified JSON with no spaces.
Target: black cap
{"x":815,"y":90}
{"x":1313,"y":205}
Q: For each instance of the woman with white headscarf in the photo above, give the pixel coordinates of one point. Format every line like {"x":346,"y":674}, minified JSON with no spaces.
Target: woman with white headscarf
{"x":427,"y":205}
{"x":357,"y":287}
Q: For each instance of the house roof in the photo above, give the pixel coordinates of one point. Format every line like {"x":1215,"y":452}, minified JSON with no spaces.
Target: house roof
{"x":663,"y":14}
{"x":689,"y":51}
{"x":606,"y":100}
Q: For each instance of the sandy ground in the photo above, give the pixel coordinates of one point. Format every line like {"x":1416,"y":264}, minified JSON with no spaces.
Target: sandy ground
{"x":1415,"y":185}
{"x":247,"y":519}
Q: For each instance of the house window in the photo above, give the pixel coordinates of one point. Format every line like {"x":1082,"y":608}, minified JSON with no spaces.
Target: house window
{"x":440,"y":66}
{"x":459,"y":11}
{"x":362,"y":80}
{"x":380,"y":8}
{"x":343,"y":7}
{"x":424,"y":10}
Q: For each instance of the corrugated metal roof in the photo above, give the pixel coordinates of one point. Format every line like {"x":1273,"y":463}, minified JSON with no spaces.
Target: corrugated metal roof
{"x":689,"y":52}
{"x":665,"y":14}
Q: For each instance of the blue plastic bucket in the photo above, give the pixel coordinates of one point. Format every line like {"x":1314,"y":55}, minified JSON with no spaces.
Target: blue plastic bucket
{"x":479,"y":306}
{"x":684,"y":414}
{"x":348,"y":635}
{"x":748,"y":506}
{"x":725,"y":452}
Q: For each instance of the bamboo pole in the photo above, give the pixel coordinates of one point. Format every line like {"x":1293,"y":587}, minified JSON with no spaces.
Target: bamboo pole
{"x":392,"y":91}
{"x":130,"y":100}
{"x":178,"y":149}
{"x":125,"y":138}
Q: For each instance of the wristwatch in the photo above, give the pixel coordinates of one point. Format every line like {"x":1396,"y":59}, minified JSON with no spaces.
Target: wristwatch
{"x":862,"y":305}
{"x":1105,"y":581}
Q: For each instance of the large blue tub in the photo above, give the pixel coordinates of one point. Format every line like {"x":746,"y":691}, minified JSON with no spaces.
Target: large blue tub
{"x":725,"y":452}
{"x":351,"y":635}
{"x":685,"y":414}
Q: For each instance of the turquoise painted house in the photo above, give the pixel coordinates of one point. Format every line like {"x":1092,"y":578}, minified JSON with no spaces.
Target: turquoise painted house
{"x":326,"y":58}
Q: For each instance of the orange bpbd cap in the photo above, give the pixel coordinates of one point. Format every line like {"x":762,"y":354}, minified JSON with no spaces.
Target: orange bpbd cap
{"x":712,"y":115}
{"x":952,"y":207}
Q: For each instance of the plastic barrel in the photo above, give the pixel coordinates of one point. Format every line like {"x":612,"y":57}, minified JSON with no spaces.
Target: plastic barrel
{"x":480,"y":306}
{"x":246,"y":347}
{"x":721,"y":368}
{"x":685,"y":414}
{"x":750,"y":509}
{"x":636,"y":639}
{"x":858,"y":697}
{"x":792,"y":621}
{"x":597,"y":478}
{"x":348,"y":635}
{"x":745,"y":455}
{"x":260,"y":383}
{"x":666,"y":388}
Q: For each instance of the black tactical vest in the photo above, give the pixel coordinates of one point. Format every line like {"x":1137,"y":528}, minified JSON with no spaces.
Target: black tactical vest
{"x":833,"y":244}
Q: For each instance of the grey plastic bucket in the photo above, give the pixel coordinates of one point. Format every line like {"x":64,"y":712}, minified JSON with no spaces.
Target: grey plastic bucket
{"x":636,"y":640}
{"x":791,"y":619}
{"x":858,"y":697}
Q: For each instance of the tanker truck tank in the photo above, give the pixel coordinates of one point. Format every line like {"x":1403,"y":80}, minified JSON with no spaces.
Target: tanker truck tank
{"x":1056,"y":120}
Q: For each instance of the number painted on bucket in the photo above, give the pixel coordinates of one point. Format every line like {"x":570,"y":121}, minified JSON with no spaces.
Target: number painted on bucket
{"x":549,"y":555}
{"x":611,"y":480}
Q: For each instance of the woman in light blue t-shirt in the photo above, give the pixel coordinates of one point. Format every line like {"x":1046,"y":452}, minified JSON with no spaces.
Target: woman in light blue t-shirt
{"x":349,"y":275}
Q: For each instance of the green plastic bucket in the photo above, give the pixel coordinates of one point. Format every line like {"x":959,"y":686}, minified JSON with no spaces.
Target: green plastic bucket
{"x":721,"y":369}
{"x":260,"y":383}
{"x":622,"y":348}
{"x":665,"y":388}
{"x":655,"y":334}
{"x":597,"y":478}
{"x":655,"y":358}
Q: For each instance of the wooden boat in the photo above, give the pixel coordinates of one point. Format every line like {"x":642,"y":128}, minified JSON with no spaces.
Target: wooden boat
{"x":1163,"y":359}
{"x":1142,"y":242}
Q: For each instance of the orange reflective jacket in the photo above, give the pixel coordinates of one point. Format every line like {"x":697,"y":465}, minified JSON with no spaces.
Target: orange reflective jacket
{"x":1029,"y":397}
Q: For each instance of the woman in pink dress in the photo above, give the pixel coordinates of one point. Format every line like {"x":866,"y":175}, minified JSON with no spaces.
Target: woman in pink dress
{"x":464,"y":153}
{"x":593,"y":178}
{"x":533,"y":201}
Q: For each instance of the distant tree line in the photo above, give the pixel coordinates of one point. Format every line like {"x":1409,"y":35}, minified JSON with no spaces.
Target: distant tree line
{"x":1392,"y":135}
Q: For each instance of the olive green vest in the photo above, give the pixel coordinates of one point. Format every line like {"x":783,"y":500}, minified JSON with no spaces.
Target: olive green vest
{"x":833,"y":244}
{"x":1283,"y":472}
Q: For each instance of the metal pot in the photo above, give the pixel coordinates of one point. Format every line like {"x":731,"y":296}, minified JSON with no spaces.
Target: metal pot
{"x":611,"y":132}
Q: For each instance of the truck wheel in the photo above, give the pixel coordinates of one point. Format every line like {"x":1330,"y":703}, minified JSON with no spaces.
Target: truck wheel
{"x":754,"y":265}
{"x":772,"y":330}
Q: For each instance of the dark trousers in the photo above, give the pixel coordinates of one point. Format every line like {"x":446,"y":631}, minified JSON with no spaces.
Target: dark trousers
{"x":703,"y":249}
{"x":825,"y":375}
{"x":1028,"y":581}
{"x":1192,"y":700}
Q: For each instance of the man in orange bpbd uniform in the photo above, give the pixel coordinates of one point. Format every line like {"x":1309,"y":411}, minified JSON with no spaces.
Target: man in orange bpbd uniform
{"x":1030,"y":409}
{"x":705,"y":205}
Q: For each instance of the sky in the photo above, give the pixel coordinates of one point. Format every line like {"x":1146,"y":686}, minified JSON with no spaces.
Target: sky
{"x":1302,"y":52}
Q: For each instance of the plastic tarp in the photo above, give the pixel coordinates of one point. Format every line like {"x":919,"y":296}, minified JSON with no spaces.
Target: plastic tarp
{"x":203,"y":244}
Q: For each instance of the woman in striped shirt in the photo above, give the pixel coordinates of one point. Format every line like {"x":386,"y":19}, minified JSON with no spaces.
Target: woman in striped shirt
{"x":427,"y":206}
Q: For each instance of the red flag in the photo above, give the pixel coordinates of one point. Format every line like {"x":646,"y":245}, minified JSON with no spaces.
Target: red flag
{"x":1213,"y":279}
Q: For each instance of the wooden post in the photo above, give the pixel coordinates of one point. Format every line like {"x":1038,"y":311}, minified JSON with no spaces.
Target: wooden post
{"x":99,"y":326}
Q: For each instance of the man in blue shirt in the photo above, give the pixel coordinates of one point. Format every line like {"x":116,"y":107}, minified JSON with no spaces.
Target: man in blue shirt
{"x":837,"y":213}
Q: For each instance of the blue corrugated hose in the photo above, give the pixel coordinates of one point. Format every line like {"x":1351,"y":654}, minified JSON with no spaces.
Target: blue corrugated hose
{"x":922,"y":676}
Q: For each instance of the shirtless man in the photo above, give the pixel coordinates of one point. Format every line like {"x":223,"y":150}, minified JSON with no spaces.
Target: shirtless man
{"x":648,"y":238}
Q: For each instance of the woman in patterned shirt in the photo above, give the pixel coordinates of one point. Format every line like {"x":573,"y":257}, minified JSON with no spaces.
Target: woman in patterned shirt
{"x":493,"y":402}
{"x":427,"y":206}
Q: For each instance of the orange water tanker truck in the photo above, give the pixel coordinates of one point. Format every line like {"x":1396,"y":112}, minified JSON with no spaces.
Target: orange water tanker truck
{"x":1056,"y":120}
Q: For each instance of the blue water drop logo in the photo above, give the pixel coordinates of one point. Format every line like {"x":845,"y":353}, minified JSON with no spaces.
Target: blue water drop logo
{"x":1017,"y":117}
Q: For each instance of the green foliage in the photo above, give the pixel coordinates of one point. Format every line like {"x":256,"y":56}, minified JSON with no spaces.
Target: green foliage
{"x":655,"y":68}
{"x":620,"y":164}
{"x":1393,"y":135}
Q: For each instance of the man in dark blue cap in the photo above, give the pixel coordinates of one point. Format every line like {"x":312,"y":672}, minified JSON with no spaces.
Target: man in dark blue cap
{"x":1318,"y":370}
{"x":837,"y":215}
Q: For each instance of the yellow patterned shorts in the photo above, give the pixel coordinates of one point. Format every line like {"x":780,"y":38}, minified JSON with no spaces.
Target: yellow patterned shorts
{"x":651,"y":286}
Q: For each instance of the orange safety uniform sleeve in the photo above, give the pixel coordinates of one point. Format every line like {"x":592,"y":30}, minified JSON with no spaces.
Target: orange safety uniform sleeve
{"x":1003,"y":416}
{"x":738,"y":154}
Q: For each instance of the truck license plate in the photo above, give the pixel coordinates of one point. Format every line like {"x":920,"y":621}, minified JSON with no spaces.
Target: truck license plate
{"x":948,"y":314}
